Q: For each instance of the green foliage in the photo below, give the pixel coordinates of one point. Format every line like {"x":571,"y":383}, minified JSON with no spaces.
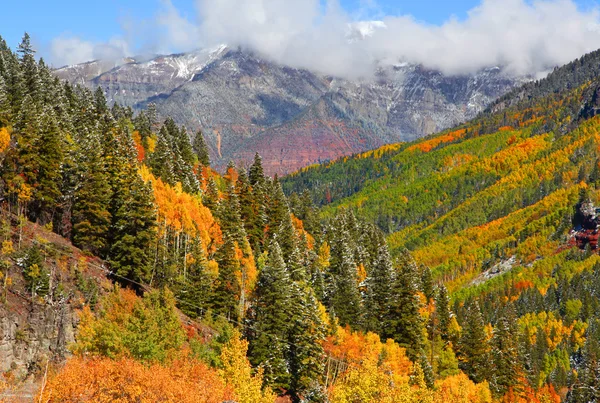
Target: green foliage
{"x":37,"y":277}
{"x":146,"y":329}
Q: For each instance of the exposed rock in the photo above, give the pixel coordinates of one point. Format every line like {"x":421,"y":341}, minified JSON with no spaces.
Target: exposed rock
{"x":293,"y":117}
{"x":32,"y":333}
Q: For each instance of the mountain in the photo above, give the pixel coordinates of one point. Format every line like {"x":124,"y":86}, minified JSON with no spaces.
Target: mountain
{"x":498,"y":190}
{"x":483,"y":277}
{"x":293,"y":117}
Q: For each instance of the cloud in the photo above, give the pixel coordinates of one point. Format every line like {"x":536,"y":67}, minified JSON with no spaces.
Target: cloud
{"x":68,"y":50}
{"x":524,"y":37}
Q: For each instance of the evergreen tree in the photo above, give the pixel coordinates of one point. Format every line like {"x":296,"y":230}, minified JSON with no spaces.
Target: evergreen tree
{"x":306,"y":335}
{"x":345,"y":298}
{"x":404,"y":323}
{"x":442,"y":311}
{"x":162,"y":160}
{"x":201,"y":149}
{"x":585,"y":388}
{"x":194,"y":285}
{"x":49,"y":149}
{"x":210,"y":198}
{"x":473,"y":345}
{"x":29,"y":68}
{"x":256,"y":173}
{"x":271,"y":321}
{"x":133,"y":231}
{"x":226,"y":293}
{"x":379,"y":290}
{"x":91,"y":217}
{"x":229,"y":216}
{"x":505,"y":354}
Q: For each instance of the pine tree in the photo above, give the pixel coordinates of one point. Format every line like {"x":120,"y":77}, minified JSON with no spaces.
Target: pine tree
{"x":345,"y":298}
{"x":473,"y":345}
{"x":404,"y":323}
{"x":256,"y":173}
{"x":91,"y":217}
{"x":201,"y":149}
{"x":210,"y":198}
{"x":270,"y":321}
{"x":29,"y":68}
{"x":227,"y":287}
{"x":49,"y":149}
{"x":194,"y":286}
{"x":307,"y":332}
{"x":229,"y":216}
{"x":585,"y":388}
{"x":379,"y":290}
{"x":251,"y":212}
{"x":505,"y":354}
{"x":5,"y":109}
{"x":133,"y":231}
{"x":162,"y":160}
{"x":442,"y":311}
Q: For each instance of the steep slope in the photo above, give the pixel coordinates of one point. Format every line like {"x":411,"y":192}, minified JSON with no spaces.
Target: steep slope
{"x":245,"y":104}
{"x":501,"y":186}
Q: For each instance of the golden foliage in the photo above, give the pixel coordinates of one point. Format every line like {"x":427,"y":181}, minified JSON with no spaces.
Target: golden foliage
{"x":183,"y":212}
{"x":126,"y":380}
{"x":238,"y":374}
{"x":4,"y":139}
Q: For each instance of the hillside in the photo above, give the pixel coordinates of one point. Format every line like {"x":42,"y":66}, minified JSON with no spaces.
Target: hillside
{"x":486,"y":289}
{"x":293,"y":118}
{"x":492,"y":207}
{"x":209,"y":288}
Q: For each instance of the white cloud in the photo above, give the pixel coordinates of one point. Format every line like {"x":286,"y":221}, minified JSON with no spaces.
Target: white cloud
{"x":70,"y":50}
{"x":525,"y":37}
{"x":66,"y":50}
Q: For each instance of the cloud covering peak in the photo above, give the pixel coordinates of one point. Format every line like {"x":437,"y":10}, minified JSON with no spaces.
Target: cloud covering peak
{"x":524,"y":37}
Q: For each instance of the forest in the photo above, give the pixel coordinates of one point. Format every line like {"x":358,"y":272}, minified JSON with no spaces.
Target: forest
{"x":444,"y":274}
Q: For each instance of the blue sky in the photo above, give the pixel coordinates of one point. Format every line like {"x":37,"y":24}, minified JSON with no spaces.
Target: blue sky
{"x":453,"y":36}
{"x":100,"y":20}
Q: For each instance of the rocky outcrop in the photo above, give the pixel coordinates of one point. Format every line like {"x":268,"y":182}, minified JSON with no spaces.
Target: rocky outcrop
{"x":31,"y":333}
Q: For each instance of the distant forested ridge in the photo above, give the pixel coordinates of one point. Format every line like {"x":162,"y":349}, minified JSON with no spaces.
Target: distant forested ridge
{"x":493,"y":209}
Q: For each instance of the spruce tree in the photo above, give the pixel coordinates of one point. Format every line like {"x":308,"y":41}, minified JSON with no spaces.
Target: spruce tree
{"x":91,"y":217}
{"x":29,"y":68}
{"x":442,"y":311}
{"x":256,"y":173}
{"x":49,"y":148}
{"x":226,"y":292}
{"x":133,"y":231}
{"x":270,"y":321}
{"x":229,"y":216}
{"x":379,"y":290}
{"x":505,"y":354}
{"x":473,"y":345}
{"x":210,"y":198}
{"x":345,"y":297}
{"x":201,"y":149}
{"x":306,"y":334}
{"x":404,"y":323}
{"x":194,"y":286}
{"x":585,"y":389}
{"x":162,"y":160}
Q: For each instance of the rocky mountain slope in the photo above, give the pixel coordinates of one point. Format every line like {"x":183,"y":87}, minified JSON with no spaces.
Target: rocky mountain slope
{"x":245,"y":104}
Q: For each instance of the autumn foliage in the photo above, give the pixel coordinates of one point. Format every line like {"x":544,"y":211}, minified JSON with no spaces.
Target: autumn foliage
{"x":127,"y":380}
{"x":4,"y":139}
{"x":183,"y":212}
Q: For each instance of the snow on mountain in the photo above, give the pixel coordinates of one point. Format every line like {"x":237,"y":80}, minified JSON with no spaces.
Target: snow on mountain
{"x":293,"y":117}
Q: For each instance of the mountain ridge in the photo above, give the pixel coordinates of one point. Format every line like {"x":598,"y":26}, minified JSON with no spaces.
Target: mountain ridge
{"x":241,"y":98}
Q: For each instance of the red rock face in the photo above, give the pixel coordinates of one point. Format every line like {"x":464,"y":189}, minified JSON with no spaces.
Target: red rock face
{"x":316,"y":137}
